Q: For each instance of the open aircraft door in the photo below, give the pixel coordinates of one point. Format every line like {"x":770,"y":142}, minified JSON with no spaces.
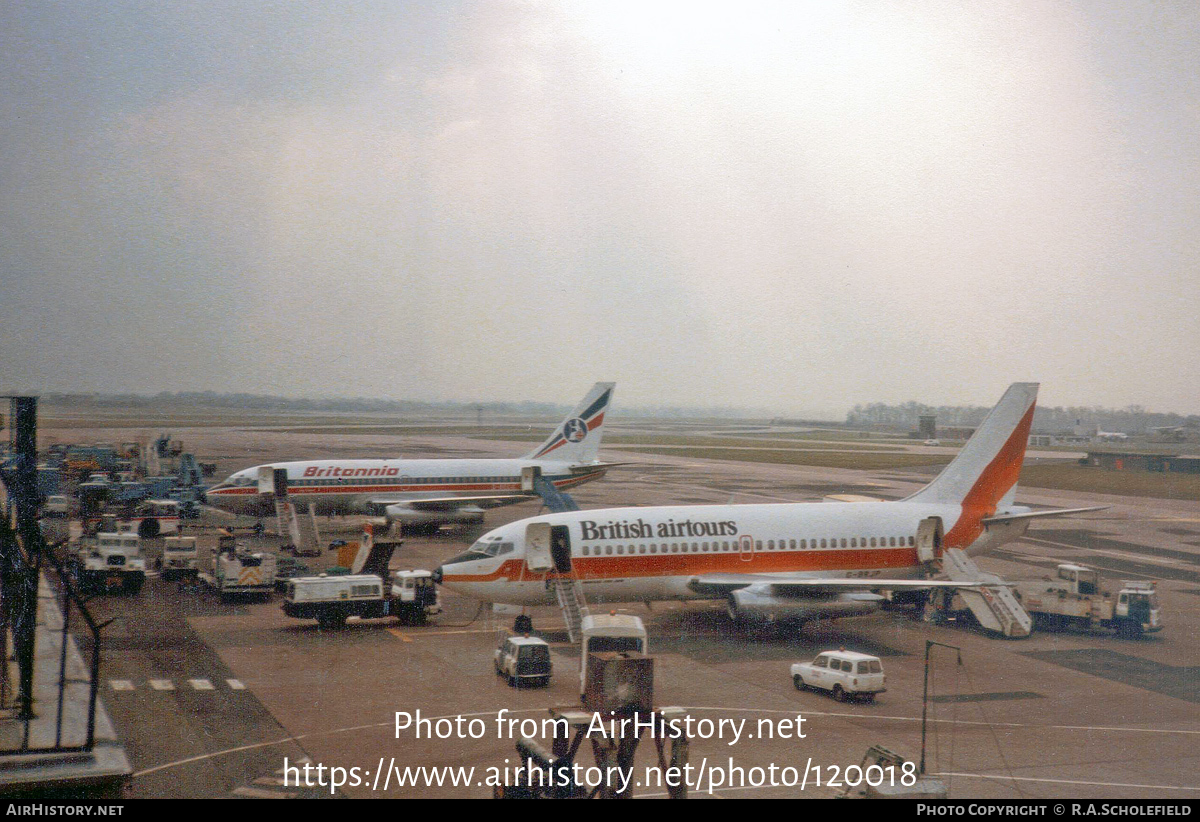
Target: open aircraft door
{"x":272,"y":481}
{"x":929,"y":539}
{"x":537,"y":547}
{"x":529,"y":474}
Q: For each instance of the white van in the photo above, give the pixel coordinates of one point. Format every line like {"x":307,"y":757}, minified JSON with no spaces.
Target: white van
{"x":842,"y":673}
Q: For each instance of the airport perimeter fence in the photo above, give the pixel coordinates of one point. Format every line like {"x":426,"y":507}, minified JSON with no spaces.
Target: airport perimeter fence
{"x":24,"y":559}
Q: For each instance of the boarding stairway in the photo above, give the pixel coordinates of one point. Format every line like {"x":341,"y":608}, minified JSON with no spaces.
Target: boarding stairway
{"x":304,"y":536}
{"x":555,"y":500}
{"x":993,"y":604}
{"x":574,"y":607}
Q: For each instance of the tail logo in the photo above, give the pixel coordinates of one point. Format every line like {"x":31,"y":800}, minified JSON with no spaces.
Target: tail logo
{"x":575,"y":430}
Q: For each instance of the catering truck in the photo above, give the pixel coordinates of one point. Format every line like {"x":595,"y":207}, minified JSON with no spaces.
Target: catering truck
{"x":1074,"y":599}
{"x":364,"y":592}
{"x":331,"y":600}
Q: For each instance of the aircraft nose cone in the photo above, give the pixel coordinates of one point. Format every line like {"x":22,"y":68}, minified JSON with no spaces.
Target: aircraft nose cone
{"x":436,"y":576}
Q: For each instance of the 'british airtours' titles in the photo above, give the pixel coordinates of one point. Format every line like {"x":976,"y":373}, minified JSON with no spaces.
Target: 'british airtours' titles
{"x":640,"y":529}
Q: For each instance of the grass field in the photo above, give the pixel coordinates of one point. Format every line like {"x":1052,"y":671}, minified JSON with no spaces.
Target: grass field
{"x":1074,"y":477}
{"x":868,"y":460}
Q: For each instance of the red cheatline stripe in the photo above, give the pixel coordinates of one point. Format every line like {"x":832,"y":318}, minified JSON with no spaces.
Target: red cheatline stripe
{"x":660,"y":565}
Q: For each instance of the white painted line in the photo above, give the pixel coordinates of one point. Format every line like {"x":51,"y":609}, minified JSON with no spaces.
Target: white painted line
{"x":236,"y":684}
{"x":162,"y":684}
{"x":258,"y":793}
{"x":121,"y":684}
{"x":200,"y":684}
{"x":271,"y":780}
{"x":298,"y":764}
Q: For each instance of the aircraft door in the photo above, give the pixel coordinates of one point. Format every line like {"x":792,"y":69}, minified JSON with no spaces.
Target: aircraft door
{"x":929,"y":539}
{"x":537,"y":547}
{"x":560,"y":548}
{"x":529,"y":475}
{"x":746,"y":544}
{"x":267,"y":477}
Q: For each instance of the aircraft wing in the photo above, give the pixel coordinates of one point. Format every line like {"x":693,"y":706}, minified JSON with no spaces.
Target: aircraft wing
{"x":448,"y":503}
{"x":803,"y":582}
{"x":1054,"y":512}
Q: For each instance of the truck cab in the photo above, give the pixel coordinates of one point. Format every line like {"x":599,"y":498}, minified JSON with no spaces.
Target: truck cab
{"x":113,"y":562}
{"x":1138,"y":603}
{"x":415,"y":595}
{"x":179,"y":560}
{"x":1080,"y":580}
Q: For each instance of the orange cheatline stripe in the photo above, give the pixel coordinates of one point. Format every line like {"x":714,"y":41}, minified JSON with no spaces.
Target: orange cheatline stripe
{"x":659,"y":565}
{"x":1000,"y":475}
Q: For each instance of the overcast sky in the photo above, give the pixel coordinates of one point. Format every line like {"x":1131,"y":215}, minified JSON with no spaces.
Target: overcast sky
{"x":798,"y":205}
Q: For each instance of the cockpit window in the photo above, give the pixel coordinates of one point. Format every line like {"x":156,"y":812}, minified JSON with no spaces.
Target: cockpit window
{"x":242,"y":480}
{"x":493,"y":547}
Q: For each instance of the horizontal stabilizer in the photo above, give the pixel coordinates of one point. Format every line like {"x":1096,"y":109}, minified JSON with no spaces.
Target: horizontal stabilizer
{"x":1055,"y":512}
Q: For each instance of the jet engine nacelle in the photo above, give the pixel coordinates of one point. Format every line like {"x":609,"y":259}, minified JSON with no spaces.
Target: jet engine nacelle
{"x":751,"y":605}
{"x":404,"y":515}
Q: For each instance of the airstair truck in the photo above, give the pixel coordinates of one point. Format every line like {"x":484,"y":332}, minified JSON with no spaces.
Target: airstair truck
{"x":1073,"y":599}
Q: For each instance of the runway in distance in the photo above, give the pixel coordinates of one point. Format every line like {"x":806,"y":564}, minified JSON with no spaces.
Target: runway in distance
{"x":778,"y":561}
{"x":429,"y":492}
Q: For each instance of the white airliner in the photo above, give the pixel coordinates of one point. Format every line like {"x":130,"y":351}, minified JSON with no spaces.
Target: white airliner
{"x":428,"y":492}
{"x":780,"y":561}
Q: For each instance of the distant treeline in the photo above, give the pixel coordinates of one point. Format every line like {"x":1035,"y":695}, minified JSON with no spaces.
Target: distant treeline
{"x":183,"y":400}
{"x":1132,"y":420}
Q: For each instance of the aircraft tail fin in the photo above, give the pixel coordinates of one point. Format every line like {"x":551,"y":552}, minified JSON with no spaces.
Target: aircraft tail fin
{"x":577,"y":438}
{"x":984,"y":473}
